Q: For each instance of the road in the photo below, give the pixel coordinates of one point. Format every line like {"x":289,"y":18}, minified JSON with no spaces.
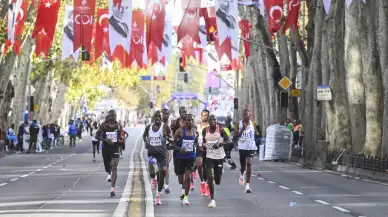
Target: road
{"x":65,"y":182}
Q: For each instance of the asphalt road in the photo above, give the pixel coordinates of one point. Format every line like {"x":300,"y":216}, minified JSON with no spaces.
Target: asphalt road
{"x":66,"y":182}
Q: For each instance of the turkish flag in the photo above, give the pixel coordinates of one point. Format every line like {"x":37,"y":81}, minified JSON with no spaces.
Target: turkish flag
{"x":19,"y":26}
{"x":47,"y":18}
{"x":274,"y":9}
{"x":292,"y":17}
{"x":137,"y":47}
{"x":245,"y":28}
{"x":190,"y":23}
{"x":188,"y":46}
{"x":155,"y":16}
{"x":83,"y":23}
{"x":226,"y":46}
{"x":102,"y":33}
{"x":42,"y":43}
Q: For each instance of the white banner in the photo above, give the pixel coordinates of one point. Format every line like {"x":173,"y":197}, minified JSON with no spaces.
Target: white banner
{"x":227,"y":16}
{"x":167,"y":34}
{"x":68,"y":35}
{"x":212,"y":60}
{"x":202,"y":32}
{"x":13,"y":11}
{"x":120,"y":25}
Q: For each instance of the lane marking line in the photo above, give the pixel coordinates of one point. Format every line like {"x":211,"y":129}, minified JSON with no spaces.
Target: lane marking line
{"x":149,"y":211}
{"x":261,"y":179}
{"x":31,"y":173}
{"x":14,"y":179}
{"x":45,"y":167}
{"x":284,"y":187}
{"x":297,"y":192}
{"x":122,"y":204}
{"x":38,"y":170}
{"x":3,"y":184}
{"x":24,"y":176}
{"x":271,"y":182}
{"x":340,"y":209}
{"x":322,"y":202}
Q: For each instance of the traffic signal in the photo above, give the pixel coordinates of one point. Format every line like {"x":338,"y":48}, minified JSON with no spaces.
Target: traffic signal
{"x":186,"y":78}
{"x":85,"y":54}
{"x":31,"y":104}
{"x":235,"y":101}
{"x":210,"y":89}
{"x":181,"y":66}
{"x":284,"y":99}
{"x":151,"y":105}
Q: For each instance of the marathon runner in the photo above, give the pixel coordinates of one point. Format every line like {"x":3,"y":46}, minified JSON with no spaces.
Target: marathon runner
{"x":96,"y":147}
{"x":228,"y":147}
{"x":154,"y":137}
{"x":201,"y":154}
{"x":170,"y":150}
{"x":109,"y":135}
{"x":244,"y":132}
{"x":185,"y":143}
{"x":214,"y":138}
{"x":175,"y":125}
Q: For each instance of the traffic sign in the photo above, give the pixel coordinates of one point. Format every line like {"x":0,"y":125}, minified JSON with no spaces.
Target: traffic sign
{"x":285,"y":83}
{"x":36,"y":107}
{"x":145,"y":78}
{"x":295,"y":93}
{"x":324,"y":93}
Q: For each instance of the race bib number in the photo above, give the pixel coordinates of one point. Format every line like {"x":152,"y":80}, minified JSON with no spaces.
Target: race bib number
{"x":188,"y":145}
{"x":209,"y":145}
{"x":155,"y":141}
{"x":245,"y":137}
{"x":112,"y":136}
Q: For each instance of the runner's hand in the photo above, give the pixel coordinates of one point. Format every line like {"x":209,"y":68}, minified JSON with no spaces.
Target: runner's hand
{"x":215,"y":146}
{"x":182,"y":151}
{"x":147,"y":145}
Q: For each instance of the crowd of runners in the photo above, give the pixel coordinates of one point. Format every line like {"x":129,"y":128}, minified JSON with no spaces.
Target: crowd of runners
{"x":196,"y":150}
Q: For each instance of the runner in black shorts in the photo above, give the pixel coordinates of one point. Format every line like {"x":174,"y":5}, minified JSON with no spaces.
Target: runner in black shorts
{"x":201,"y":154}
{"x":175,"y":125}
{"x":109,"y":135}
{"x":170,"y":150}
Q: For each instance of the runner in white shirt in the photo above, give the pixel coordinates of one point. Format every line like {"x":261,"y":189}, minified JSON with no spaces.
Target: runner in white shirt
{"x":201,"y":154}
{"x":244,"y":132}
{"x":214,"y":137}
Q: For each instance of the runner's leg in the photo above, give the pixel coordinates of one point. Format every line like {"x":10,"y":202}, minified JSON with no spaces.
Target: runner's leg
{"x":243,"y":163}
{"x":167,"y":177}
{"x":114,"y":163}
{"x":249,"y":171}
{"x":107,"y":157}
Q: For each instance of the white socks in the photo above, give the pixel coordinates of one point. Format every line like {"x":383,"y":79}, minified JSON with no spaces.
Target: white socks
{"x":247,"y":186}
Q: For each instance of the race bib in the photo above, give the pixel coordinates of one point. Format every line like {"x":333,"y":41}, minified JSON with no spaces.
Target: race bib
{"x":112,"y":136}
{"x":245,"y":137}
{"x":209,"y":145}
{"x":188,"y":145}
{"x":155,"y":141}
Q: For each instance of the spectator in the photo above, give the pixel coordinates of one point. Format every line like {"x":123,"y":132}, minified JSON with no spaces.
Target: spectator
{"x":11,"y":137}
{"x":46,"y":137}
{"x":34,"y":132}
{"x":56,"y":131}
{"x":80,"y":127}
{"x":21,"y":131}
{"x":72,"y":133}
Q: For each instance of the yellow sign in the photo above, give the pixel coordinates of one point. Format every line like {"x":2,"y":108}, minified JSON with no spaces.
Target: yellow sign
{"x":295,"y":93}
{"x":285,"y":83}
{"x":36,"y":108}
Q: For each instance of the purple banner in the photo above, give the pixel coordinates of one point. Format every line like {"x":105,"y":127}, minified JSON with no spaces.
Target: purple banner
{"x":212,"y":80}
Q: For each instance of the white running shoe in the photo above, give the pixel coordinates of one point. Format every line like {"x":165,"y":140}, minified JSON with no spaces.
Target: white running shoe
{"x":212,"y":204}
{"x":109,"y":178}
{"x":186,"y":201}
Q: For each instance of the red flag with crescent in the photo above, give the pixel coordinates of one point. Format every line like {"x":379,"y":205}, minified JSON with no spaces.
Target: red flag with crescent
{"x":102,"y":33}
{"x":190,"y":21}
{"x":245,"y":28}
{"x":292,"y":17}
{"x":274,"y":9}
{"x":47,"y":18}
{"x":19,"y":26}
{"x":226,"y":46}
{"x":42,"y":43}
{"x":155,"y":13}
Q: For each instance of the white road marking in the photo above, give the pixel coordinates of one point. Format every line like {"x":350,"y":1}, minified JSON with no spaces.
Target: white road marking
{"x":122,"y":205}
{"x":3,"y":184}
{"x":28,"y":211}
{"x":24,"y":176}
{"x":297,"y":192}
{"x":271,"y":182}
{"x":149,"y":212}
{"x":31,"y":173}
{"x":45,"y":167}
{"x":59,"y":202}
{"x":14,"y":179}
{"x":284,"y":187}
{"x":340,"y":209}
{"x":261,"y":179}
{"x":38,"y":170}
{"x":357,"y":178}
{"x":322,"y":202}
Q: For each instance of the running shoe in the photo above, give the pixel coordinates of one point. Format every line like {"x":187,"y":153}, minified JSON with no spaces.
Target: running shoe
{"x":153,"y":184}
{"x":182,"y":196}
{"x":212,"y":204}
{"x":112,"y":194}
{"x":157,"y":200}
{"x":241,"y":180}
{"x":109,"y":179}
{"x":195,"y":175}
{"x":247,"y":189}
{"x":202,"y":189}
{"x":192,"y":186}
{"x":186,"y":201}
{"x":166,"y":190}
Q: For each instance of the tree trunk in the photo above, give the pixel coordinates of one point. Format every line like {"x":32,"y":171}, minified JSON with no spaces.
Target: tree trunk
{"x":293,"y":101}
{"x":372,"y":82}
{"x":354,"y":76}
{"x":342,"y":135}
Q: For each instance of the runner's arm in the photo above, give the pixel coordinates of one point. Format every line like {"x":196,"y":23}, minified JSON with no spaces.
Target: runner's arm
{"x":145,"y":136}
{"x":100,"y":136}
{"x":177,"y":137}
{"x":225,"y":136}
{"x":167,"y":133}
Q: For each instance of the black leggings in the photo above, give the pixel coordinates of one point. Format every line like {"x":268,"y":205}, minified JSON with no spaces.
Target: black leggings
{"x":96,"y":145}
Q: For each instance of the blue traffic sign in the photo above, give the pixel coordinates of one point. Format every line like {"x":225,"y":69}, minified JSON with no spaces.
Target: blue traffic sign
{"x":145,"y":78}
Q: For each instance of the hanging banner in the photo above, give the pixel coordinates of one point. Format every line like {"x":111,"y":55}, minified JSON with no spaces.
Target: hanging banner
{"x":46,"y":18}
{"x":137,"y":48}
{"x":68,"y":34}
{"x":274,"y":9}
{"x":292,"y":16}
{"x":19,"y":25}
{"x":102,"y":33}
{"x":165,"y":53}
{"x":13,"y":10}
{"x":190,"y":20}
{"x":155,"y":13}
{"x":227,"y":26}
{"x":83,"y":23}
{"x":245,"y":29}
{"x":120,"y":23}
